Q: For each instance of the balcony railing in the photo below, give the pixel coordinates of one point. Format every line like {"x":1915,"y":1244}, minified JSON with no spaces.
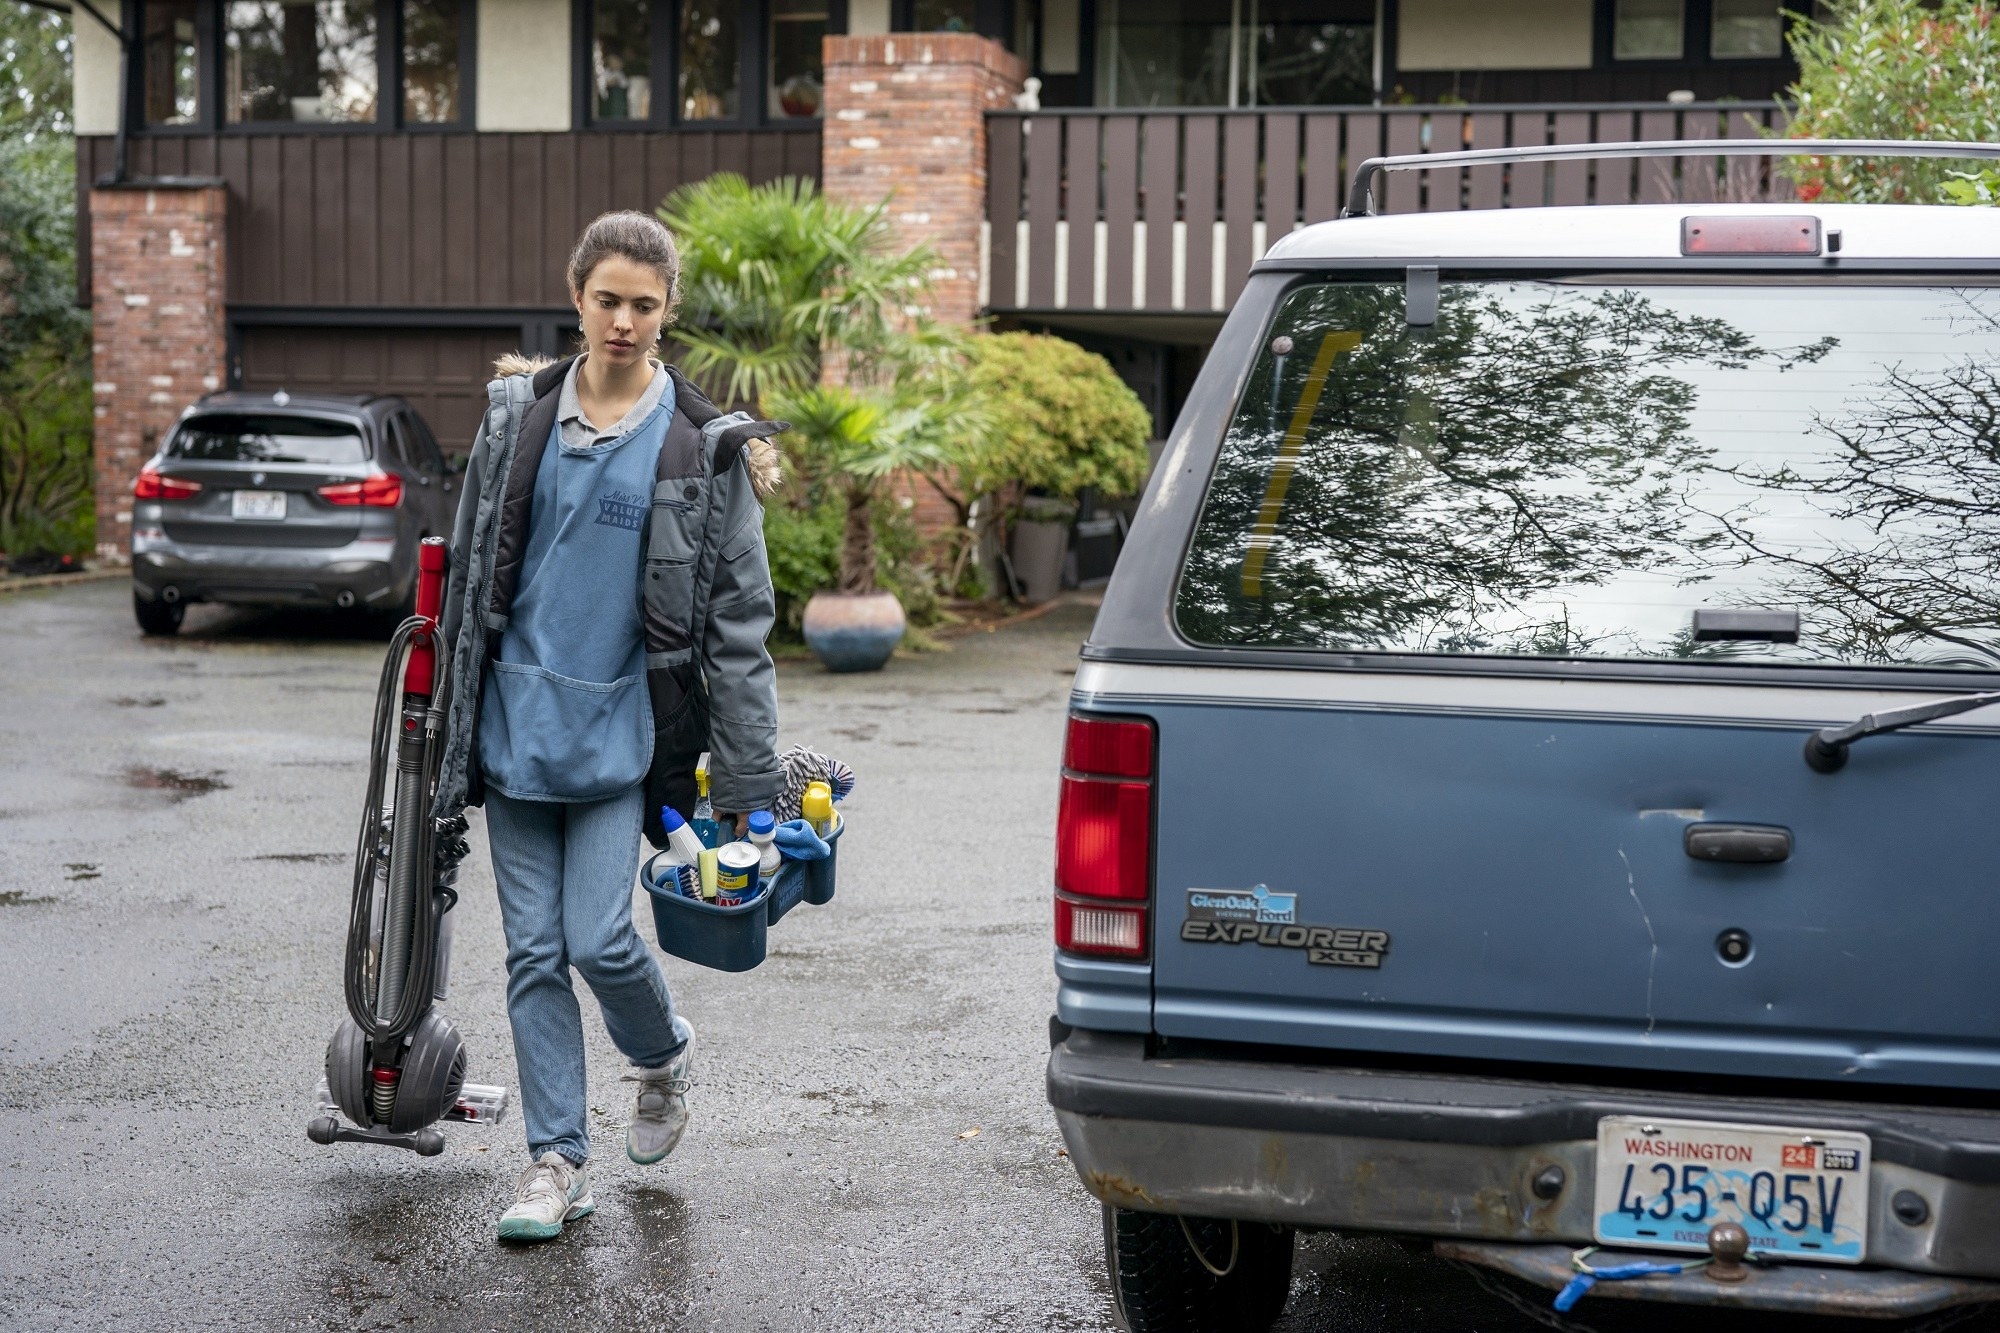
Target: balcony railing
{"x":1164,"y":211}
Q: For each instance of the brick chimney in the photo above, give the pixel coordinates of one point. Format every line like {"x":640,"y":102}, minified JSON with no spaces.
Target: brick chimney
{"x":906,"y":121}
{"x":159,"y":338}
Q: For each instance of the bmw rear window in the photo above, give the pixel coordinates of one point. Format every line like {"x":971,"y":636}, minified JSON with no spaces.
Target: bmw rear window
{"x":1576,"y":469}
{"x":232,"y":437}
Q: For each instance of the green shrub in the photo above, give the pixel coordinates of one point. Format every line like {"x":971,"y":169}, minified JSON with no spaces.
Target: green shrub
{"x":804,"y":541}
{"x":1894,"y":69}
{"x":1063,"y":420}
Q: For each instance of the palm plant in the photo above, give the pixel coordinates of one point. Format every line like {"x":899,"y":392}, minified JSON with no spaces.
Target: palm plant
{"x":855,"y":437}
{"x":775,"y":276}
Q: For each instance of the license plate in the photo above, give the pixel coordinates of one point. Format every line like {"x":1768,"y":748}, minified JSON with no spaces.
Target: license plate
{"x":1799,"y":1193}
{"x":257,"y":504}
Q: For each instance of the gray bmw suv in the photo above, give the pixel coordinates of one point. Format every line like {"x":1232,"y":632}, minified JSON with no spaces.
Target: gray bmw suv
{"x":283,"y":499}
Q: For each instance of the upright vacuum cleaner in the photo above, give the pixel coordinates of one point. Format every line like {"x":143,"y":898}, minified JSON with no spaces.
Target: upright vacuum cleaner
{"x":395,"y":1066}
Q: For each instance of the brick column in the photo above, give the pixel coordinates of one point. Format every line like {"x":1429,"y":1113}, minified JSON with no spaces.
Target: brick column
{"x":906,"y":121}
{"x":159,"y":339}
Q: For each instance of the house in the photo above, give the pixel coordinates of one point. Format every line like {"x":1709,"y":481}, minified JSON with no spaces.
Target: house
{"x":378,"y":195}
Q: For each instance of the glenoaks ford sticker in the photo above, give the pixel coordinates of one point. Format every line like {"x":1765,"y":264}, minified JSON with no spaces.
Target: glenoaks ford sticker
{"x":1240,"y":916}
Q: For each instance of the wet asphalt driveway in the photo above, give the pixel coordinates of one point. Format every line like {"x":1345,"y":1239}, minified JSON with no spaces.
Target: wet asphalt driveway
{"x":870,"y":1145}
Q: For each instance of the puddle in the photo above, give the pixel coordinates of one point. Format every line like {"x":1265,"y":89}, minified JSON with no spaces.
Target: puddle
{"x":19,"y":898}
{"x":150,"y":701}
{"x":309,"y":858}
{"x":181,"y":786}
{"x":82,"y":870}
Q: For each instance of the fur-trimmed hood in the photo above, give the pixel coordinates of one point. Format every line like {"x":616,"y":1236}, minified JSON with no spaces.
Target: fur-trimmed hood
{"x":761,"y":456}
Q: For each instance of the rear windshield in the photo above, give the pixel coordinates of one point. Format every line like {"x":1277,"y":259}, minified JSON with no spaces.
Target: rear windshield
{"x":1575,"y":469}
{"x":231,"y":437}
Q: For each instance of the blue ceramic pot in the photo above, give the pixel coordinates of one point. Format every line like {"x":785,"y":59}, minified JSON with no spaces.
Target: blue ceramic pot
{"x":853,"y":632}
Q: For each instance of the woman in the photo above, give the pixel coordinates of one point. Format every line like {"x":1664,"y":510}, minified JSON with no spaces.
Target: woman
{"x":607,"y":610}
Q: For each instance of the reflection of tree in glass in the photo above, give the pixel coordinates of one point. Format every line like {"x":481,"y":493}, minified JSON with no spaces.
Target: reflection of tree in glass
{"x":1443,"y":478}
{"x":430,"y":61}
{"x":1917,"y":467}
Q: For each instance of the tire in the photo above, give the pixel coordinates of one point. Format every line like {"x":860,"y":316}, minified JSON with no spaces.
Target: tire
{"x":156,"y":618}
{"x":1161,"y":1285}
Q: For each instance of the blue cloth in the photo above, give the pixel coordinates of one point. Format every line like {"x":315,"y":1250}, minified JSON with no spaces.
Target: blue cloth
{"x":566,"y":715}
{"x":565,"y":875}
{"x":796,"y":839}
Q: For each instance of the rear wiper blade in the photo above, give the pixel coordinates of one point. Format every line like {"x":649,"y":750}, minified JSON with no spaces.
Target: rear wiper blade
{"x":1826,"y":749}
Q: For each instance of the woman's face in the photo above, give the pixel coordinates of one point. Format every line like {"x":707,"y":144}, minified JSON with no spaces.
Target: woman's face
{"x":622,"y":306}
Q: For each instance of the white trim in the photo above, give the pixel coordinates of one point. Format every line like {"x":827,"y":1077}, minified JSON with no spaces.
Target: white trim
{"x":985,"y":264}
{"x":1062,"y":265}
{"x":1100,"y":238}
{"x":1109,"y":684}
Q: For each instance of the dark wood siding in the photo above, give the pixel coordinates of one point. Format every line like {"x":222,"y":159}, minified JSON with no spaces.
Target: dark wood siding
{"x":443,"y":372}
{"x":447,"y":220}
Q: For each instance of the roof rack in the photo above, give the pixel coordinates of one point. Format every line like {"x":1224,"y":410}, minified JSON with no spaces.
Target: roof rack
{"x":1361,"y":199}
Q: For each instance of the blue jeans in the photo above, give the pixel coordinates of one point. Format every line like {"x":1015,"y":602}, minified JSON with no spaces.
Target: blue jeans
{"x":565,"y":872}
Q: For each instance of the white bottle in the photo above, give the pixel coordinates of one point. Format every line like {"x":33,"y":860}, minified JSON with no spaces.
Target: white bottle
{"x":763,"y":834}
{"x":681,"y":840}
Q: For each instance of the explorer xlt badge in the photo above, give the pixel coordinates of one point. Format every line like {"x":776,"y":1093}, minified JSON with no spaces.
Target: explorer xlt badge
{"x":1233,"y":916}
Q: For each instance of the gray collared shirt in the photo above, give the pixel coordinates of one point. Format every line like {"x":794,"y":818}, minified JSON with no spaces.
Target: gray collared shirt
{"x":577,"y":430}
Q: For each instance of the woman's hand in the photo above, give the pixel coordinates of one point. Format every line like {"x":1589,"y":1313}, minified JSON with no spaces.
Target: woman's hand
{"x":738,"y":825}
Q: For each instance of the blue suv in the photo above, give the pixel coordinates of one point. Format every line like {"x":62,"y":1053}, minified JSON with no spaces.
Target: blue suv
{"x":1526,"y":787}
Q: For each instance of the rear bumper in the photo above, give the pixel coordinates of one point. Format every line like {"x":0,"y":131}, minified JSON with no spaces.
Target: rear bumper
{"x":370,"y":569}
{"x":1458,"y":1156}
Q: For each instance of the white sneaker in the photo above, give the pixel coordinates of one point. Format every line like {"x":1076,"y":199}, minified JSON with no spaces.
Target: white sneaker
{"x":551,"y":1193}
{"x":661,"y":1115}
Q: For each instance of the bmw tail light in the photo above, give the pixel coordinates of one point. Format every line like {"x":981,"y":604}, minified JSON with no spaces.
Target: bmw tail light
{"x":383,"y":490}
{"x":1104,"y":837}
{"x":152,"y":486}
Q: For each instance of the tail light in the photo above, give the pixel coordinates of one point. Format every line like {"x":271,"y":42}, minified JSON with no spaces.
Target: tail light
{"x":383,"y":490}
{"x":152,"y":486}
{"x":1104,"y":838}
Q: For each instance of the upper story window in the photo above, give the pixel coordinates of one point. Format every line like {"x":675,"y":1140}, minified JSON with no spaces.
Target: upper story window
{"x":1227,"y":53}
{"x":1648,"y":30}
{"x":432,"y":40}
{"x":655,"y":63}
{"x":311,"y":61}
{"x":944,"y":16}
{"x":796,"y":85}
{"x":1747,"y":30}
{"x":621,"y":60}
{"x":708,"y":54}
{"x":171,"y":63}
{"x":267,"y":64}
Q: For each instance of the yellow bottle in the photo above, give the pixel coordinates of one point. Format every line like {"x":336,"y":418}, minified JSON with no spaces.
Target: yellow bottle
{"x":816,"y":808}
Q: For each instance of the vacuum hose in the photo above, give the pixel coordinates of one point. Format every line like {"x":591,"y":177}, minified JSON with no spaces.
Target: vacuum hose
{"x":399,"y":845}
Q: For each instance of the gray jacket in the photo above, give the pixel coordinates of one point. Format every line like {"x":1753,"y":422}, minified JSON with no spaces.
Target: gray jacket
{"x":706,"y":604}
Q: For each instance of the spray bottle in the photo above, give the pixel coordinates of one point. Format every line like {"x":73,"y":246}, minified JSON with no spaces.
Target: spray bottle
{"x":705,"y":826}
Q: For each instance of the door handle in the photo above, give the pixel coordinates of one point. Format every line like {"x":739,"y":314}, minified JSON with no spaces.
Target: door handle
{"x":1751,"y":844}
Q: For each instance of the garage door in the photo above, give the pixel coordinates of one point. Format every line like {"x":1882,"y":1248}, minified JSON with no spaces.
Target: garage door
{"x":443,"y":372}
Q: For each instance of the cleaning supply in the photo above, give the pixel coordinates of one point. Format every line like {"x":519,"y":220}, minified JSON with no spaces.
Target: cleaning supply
{"x":797,"y":841}
{"x":763,"y":830}
{"x":681,"y":839}
{"x":816,"y":808}
{"x":705,"y":863}
{"x":736,"y":873}
{"x":802,"y":766}
{"x":705,"y":824}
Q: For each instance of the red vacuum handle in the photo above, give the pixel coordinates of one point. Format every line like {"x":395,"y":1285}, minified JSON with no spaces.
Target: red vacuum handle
{"x":431,"y":560}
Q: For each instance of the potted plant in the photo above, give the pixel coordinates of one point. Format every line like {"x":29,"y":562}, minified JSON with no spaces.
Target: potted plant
{"x":852,"y":439}
{"x":1069,"y":425}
